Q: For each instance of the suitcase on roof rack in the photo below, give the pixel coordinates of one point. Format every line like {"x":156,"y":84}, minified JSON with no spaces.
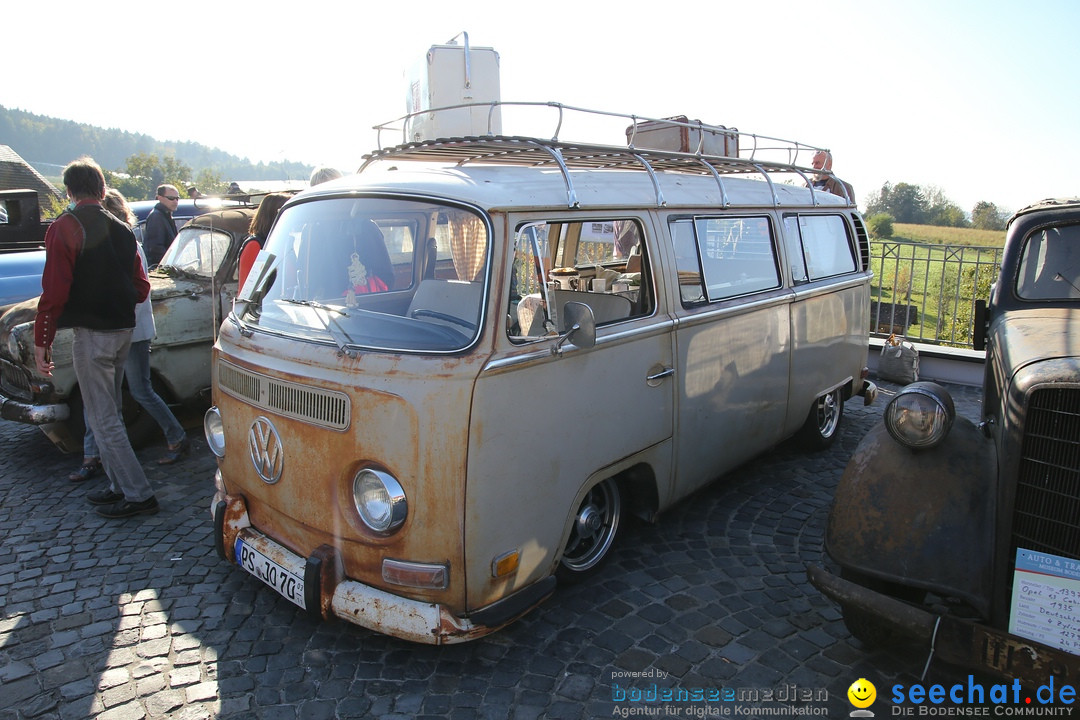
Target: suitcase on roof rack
{"x":678,"y":134}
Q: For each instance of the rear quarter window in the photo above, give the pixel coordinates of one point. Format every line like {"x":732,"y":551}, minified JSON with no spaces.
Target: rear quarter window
{"x":818,"y":246}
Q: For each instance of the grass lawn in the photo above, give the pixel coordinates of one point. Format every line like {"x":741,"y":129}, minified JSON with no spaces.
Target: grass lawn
{"x":936,"y":235}
{"x":939,"y":270}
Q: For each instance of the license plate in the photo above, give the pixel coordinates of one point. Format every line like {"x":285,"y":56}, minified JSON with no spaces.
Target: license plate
{"x":288,"y":584}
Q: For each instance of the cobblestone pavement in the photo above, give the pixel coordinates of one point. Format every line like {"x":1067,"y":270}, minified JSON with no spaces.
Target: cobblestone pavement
{"x":140,"y":618}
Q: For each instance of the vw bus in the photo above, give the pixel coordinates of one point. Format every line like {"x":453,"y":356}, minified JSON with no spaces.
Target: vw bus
{"x":450,"y":377}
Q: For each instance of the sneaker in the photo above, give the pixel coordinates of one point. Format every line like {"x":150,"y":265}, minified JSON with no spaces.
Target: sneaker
{"x":104,"y":497}
{"x":175,"y":452}
{"x":125,"y":508}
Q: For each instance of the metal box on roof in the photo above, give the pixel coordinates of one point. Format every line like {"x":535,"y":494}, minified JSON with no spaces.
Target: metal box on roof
{"x":451,"y":75}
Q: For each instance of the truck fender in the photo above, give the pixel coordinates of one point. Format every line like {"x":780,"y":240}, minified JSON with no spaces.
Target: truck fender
{"x":920,"y":518}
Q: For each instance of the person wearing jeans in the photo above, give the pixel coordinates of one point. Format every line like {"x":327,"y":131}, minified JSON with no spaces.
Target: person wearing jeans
{"x":137,"y":371}
{"x":92,"y":280}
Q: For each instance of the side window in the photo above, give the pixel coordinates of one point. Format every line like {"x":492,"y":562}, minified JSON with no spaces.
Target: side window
{"x":724,"y":257}
{"x":1050,"y":265}
{"x":601,"y":263}
{"x":691,"y":287}
{"x":818,"y":246}
{"x":793,"y":245}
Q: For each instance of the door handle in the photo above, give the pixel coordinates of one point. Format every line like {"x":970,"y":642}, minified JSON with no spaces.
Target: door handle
{"x":654,"y":379}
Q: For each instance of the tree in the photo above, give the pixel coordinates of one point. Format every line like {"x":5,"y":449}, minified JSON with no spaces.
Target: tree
{"x":987,"y":216}
{"x":905,"y":202}
{"x":880,"y":225}
{"x":210,"y":182}
{"x":144,"y":172}
{"x":941,"y":210}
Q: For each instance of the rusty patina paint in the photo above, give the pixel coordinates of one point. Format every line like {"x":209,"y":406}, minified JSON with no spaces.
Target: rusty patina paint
{"x":401,"y":422}
{"x":905,"y":516}
{"x":954,"y":640}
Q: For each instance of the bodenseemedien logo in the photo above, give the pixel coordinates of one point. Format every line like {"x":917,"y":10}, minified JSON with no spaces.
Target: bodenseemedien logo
{"x":861,"y":695}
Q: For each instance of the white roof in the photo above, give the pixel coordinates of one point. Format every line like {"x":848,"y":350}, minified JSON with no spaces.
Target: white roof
{"x":514,"y":186}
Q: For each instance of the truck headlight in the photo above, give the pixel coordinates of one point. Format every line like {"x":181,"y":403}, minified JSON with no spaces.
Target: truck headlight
{"x":214,"y":429}
{"x":380,"y":500}
{"x":13,"y":350}
{"x":920,"y":415}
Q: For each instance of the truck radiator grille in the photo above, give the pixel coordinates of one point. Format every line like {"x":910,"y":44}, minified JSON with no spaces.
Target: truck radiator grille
{"x":1047,"y":508}
{"x":325,"y":408}
{"x":15,"y":381}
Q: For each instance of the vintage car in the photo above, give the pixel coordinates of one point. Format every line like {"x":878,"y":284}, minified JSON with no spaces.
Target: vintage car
{"x":191,"y":289}
{"x":22,"y":254}
{"x":965,"y":537}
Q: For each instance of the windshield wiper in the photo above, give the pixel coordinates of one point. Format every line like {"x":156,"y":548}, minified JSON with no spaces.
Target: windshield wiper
{"x":315,"y":304}
{"x":330,"y":324}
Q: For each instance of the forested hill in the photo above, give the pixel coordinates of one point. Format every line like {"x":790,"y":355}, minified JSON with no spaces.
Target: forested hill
{"x":46,"y":142}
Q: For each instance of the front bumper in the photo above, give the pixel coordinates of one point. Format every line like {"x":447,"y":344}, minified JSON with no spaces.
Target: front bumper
{"x":328,"y":593}
{"x":32,"y":413}
{"x":954,"y":640}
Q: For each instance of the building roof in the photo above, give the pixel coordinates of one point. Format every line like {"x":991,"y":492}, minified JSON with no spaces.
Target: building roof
{"x":16,"y":174}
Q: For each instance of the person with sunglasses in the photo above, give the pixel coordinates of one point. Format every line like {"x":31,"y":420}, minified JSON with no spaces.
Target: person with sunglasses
{"x":160,"y":227}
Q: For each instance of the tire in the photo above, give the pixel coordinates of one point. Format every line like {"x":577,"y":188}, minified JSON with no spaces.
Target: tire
{"x":595,"y":528}
{"x":823,"y":421}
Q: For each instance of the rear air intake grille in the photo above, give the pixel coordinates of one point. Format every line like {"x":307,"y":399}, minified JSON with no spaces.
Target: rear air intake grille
{"x":1046,"y":516}
{"x":325,"y":408}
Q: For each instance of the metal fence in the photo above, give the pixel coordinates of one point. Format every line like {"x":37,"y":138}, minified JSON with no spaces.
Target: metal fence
{"x":927,"y":293}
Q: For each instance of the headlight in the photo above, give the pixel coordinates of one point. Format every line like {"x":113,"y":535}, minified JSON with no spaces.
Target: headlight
{"x":13,"y":346}
{"x":380,"y":500}
{"x":214,"y":429}
{"x":920,"y":415}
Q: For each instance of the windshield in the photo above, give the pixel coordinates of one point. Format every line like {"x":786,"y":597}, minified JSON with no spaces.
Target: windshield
{"x":1050,"y":265}
{"x":371,"y":273}
{"x":197,"y":251}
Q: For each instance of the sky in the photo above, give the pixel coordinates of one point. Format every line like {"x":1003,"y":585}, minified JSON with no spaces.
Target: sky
{"x":979,"y":99}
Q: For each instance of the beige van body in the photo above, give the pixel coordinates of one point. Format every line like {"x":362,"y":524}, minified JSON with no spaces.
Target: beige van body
{"x":420,"y":438}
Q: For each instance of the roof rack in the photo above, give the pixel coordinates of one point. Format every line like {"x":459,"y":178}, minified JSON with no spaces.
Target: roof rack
{"x":758,"y":155}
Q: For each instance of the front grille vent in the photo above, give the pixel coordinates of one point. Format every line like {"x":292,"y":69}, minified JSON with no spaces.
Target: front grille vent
{"x":15,"y":381}
{"x":317,"y":406}
{"x":1046,"y":515}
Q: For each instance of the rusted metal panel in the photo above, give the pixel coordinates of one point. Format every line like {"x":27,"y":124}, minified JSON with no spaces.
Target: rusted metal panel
{"x":312,"y":504}
{"x":905,"y":516}
{"x":953,"y":640}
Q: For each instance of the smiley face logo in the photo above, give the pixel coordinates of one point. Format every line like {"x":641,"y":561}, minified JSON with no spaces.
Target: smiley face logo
{"x":862,"y":693}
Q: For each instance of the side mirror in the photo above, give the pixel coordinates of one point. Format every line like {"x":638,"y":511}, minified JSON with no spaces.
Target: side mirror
{"x":582,"y":327}
{"x":978,"y":340}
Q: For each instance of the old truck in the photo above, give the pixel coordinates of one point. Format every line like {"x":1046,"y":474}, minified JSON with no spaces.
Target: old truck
{"x":191,"y":289}
{"x":964,"y":536}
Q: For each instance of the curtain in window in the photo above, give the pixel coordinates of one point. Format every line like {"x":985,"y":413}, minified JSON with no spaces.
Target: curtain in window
{"x":468,"y":245}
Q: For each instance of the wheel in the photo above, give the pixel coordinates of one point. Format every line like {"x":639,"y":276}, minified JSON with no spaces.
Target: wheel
{"x":596,"y":524}
{"x":823,"y":421}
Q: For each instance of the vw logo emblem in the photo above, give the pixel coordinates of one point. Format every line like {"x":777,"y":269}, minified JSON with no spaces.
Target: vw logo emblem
{"x":267,"y":455}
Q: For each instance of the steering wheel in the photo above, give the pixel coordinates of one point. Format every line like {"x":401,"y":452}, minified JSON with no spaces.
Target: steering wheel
{"x":452,"y":319}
